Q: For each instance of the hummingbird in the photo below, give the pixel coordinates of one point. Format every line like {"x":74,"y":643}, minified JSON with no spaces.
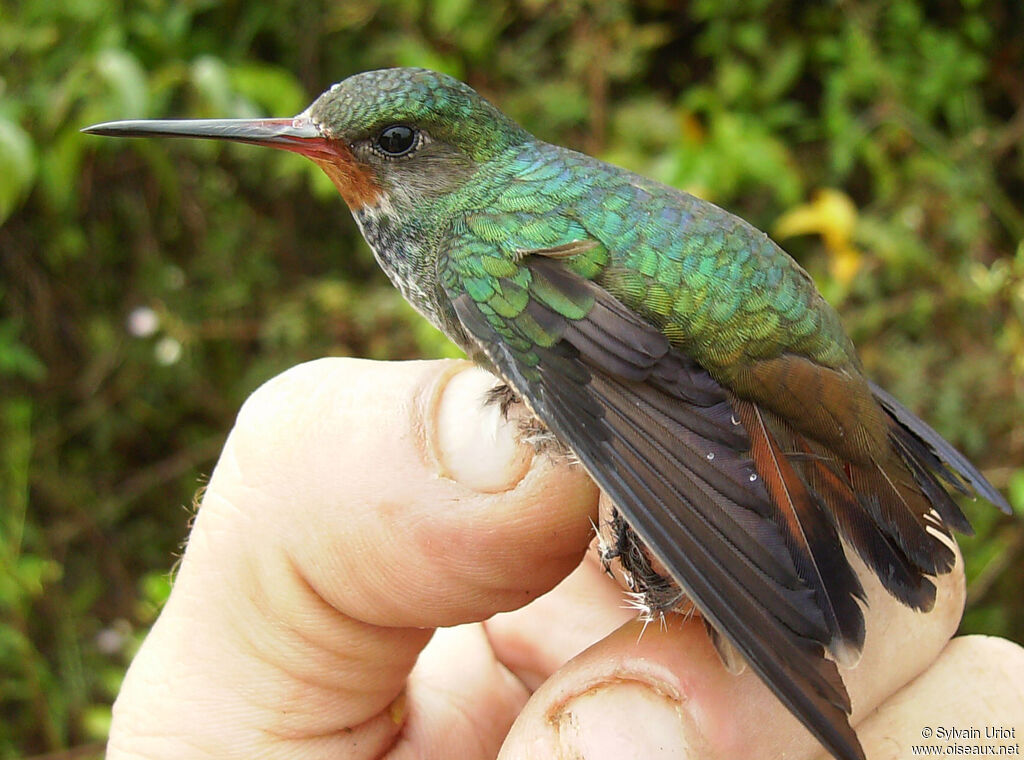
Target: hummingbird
{"x":688,"y":362}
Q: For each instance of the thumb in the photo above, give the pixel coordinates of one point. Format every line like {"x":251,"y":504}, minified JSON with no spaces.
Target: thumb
{"x":356,"y":506}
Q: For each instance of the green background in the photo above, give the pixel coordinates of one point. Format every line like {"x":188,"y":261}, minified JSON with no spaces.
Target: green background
{"x":880,"y":142}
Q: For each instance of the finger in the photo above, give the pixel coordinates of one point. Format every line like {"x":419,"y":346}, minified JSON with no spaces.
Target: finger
{"x":901,"y":643}
{"x":356,"y":505}
{"x":969,"y":702}
{"x":460,"y":700}
{"x":628,"y":696}
{"x":695,"y":708}
{"x":434,"y":510}
{"x":538,"y":639}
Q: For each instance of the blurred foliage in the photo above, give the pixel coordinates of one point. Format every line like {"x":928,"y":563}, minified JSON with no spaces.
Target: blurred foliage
{"x":147,"y":288}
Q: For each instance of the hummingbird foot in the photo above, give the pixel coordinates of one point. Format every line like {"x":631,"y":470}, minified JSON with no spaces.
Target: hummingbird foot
{"x":530,"y":430}
{"x":503,"y":396}
{"x":652,"y":593}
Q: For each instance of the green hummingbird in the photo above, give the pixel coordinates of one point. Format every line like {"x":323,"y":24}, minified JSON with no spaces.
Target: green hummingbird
{"x":688,"y":362}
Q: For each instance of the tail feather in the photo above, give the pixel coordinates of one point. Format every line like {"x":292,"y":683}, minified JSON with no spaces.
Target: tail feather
{"x":826,"y":477}
{"x":887,"y":491}
{"x":810,"y":535}
{"x":894,"y":507}
{"x":927,"y":471}
{"x":940,"y":449}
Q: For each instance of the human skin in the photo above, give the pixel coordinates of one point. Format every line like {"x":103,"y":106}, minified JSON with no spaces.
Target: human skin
{"x":380,"y":570}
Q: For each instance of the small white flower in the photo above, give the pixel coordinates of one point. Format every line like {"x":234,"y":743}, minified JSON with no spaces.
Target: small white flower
{"x":143,"y":322}
{"x":113,"y":639}
{"x":167,"y":351}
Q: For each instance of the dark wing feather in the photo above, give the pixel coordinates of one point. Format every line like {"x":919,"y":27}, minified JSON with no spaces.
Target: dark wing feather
{"x":658,"y":435}
{"x":937,"y":455}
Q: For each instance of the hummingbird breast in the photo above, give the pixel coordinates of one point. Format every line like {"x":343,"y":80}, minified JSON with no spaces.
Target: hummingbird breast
{"x":409,"y":260}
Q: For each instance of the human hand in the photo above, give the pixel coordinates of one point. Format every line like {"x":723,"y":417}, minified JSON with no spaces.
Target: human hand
{"x":363,"y":519}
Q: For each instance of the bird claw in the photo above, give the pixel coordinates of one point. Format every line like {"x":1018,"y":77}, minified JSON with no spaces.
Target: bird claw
{"x":530,"y":430}
{"x":503,"y":396}
{"x":652,"y":593}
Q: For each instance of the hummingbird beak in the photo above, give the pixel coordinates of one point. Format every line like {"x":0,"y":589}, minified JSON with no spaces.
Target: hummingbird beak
{"x":357,"y":185}
{"x":299,"y":135}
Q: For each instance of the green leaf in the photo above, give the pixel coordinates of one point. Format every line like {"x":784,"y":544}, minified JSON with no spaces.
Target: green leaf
{"x":156,"y":588}
{"x":448,"y":14}
{"x":1016,"y":491}
{"x":17,"y":166}
{"x":16,"y":359}
{"x":272,"y":88}
{"x":58,"y":169}
{"x":96,"y":721}
{"x":212,"y":81}
{"x":127,"y":82}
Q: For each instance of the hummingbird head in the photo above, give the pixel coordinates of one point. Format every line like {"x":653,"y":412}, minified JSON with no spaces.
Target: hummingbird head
{"x":401,"y":136}
{"x":411,"y":134}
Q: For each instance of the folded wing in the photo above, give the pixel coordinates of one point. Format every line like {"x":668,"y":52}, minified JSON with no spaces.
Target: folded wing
{"x":663,"y":439}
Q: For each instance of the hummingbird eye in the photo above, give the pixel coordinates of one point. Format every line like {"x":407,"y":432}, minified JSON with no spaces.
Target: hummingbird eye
{"x":396,"y":140}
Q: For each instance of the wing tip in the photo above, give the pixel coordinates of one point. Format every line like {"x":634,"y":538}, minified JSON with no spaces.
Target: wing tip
{"x":941,"y":448}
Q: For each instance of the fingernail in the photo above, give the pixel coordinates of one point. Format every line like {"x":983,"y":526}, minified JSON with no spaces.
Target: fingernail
{"x":473,"y":443}
{"x":624,"y":720}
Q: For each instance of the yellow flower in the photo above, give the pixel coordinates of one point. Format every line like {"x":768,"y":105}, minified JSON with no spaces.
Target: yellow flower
{"x":832,"y":215}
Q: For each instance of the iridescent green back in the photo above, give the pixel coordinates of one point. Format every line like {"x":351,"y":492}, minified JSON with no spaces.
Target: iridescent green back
{"x":717,"y":287}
